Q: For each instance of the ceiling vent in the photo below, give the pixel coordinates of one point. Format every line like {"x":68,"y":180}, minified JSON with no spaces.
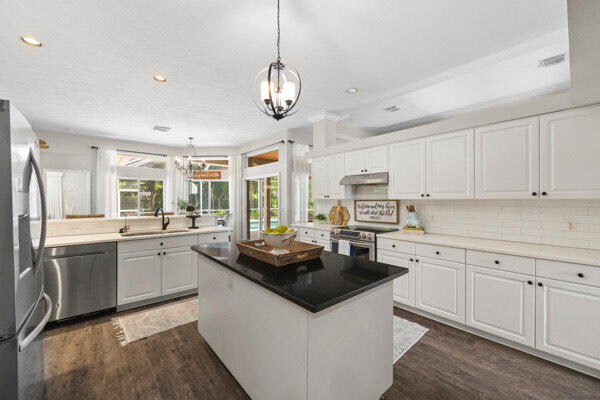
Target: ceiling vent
{"x":547,"y":62}
{"x":392,"y":109}
{"x":162,"y":128}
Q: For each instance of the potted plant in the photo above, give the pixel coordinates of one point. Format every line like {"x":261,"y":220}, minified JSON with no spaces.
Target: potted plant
{"x":190,"y":210}
{"x":321,"y":218}
{"x":182,"y":205}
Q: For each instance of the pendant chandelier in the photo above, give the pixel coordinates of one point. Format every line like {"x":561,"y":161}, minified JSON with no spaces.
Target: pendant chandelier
{"x":186,"y":166}
{"x":276,"y":89}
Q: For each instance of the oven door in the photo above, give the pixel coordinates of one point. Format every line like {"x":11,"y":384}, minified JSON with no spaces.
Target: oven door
{"x":360,"y":249}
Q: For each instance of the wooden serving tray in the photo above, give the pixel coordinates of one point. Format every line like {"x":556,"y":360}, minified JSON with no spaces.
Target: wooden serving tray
{"x":298,"y":252}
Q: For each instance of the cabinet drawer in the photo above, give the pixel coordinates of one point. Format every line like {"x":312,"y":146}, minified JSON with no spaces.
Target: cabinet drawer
{"x":130,"y":246}
{"x":306,"y":232}
{"x":215,"y":237}
{"x":441,"y":252}
{"x":396,"y":245}
{"x":321,"y":234}
{"x":503,"y":262}
{"x":576,"y":273}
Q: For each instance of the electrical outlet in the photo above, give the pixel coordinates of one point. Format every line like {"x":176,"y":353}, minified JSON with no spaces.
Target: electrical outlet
{"x":571,"y":226}
{"x":432,"y":218}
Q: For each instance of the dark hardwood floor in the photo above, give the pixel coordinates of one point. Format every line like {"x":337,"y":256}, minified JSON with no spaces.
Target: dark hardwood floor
{"x":85,"y":361}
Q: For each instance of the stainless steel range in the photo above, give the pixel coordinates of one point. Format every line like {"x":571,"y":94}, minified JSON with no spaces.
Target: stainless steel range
{"x":363,"y":239}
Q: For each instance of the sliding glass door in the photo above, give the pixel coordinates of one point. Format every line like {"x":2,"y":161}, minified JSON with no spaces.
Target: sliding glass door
{"x":262,"y":205}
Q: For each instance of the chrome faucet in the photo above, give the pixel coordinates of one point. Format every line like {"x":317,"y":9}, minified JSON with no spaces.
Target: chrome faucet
{"x":126,"y":227}
{"x":164,"y":224}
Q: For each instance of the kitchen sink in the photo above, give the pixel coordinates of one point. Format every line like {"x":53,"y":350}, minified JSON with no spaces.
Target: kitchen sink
{"x":153,"y":232}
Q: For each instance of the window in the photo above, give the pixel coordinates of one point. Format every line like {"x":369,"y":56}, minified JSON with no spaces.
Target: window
{"x":141,"y":180}
{"x":139,"y":197}
{"x":263,"y":158}
{"x":210,"y":196}
{"x":133,"y":160}
{"x":209,"y":190}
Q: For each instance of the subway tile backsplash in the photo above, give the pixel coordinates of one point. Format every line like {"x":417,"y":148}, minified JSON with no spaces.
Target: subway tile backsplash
{"x":571,"y":223}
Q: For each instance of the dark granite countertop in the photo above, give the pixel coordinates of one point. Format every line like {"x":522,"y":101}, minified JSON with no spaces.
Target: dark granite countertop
{"x":314,"y":285}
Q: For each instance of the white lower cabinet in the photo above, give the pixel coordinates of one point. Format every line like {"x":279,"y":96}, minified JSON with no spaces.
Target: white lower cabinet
{"x":568,"y":321}
{"x":501,"y":303}
{"x":404,"y":287}
{"x":440,"y":288}
{"x":179,"y":270}
{"x":139,"y":276}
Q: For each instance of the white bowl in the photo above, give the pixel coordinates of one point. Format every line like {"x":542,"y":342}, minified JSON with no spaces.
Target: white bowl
{"x":279,"y":240}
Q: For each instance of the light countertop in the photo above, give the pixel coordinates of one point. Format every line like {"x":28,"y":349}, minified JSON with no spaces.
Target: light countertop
{"x":555,"y":253}
{"x":313,"y":225}
{"x":116,"y":237}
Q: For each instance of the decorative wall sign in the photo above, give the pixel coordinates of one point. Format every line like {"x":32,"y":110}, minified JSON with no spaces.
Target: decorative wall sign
{"x":207,"y":175}
{"x":380,"y":211}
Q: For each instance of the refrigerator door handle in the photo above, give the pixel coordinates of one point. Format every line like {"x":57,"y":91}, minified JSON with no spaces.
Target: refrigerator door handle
{"x":42,"y":245}
{"x":34,"y":333}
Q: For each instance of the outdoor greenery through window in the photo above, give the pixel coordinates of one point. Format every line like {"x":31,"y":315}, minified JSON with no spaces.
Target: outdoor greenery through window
{"x":139,"y":197}
{"x":209,"y":189}
{"x":134,"y":160}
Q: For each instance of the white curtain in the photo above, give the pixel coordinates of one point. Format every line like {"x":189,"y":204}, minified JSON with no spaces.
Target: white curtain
{"x":54,"y":194}
{"x":177,"y":185}
{"x":300,"y":174}
{"x":235,"y":195}
{"x":106,"y":183}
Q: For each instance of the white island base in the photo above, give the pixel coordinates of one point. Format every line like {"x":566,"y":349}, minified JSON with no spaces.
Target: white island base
{"x":278,"y":350}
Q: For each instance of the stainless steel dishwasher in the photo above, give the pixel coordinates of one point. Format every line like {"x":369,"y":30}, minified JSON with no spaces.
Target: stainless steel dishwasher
{"x":81,"y":279}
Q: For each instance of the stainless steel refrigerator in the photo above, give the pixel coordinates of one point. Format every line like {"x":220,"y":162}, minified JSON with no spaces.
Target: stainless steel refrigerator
{"x":24,"y":307}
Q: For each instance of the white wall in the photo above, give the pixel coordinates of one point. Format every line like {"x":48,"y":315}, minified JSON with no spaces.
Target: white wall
{"x":532,"y":221}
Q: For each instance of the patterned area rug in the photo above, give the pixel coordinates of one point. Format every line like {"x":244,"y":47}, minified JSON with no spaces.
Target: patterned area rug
{"x":148,"y":322}
{"x":406,"y":334}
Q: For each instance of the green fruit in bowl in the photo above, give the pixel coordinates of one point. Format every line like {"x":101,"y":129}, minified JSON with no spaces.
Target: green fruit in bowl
{"x":268,"y":230}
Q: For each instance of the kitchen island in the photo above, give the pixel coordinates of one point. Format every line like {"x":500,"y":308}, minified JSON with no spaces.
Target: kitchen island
{"x":317,"y":330}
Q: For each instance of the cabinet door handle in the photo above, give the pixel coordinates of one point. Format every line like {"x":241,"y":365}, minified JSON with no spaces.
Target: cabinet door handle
{"x":164,"y":253}
{"x":393,"y":245}
{"x":437,"y":252}
{"x":580,"y":275}
{"x":529,"y":282}
{"x":544,"y":193}
{"x":411,"y":259}
{"x":534,"y":194}
{"x":496,"y":262}
{"x":161,"y":243}
{"x":417,"y":260}
{"x":422,"y":195}
{"x":214,"y":238}
{"x":540,"y":284}
{"x":427,"y":194}
{"x":158,"y":253}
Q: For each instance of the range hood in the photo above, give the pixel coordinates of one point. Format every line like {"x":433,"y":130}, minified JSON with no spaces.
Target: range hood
{"x":380,"y":178}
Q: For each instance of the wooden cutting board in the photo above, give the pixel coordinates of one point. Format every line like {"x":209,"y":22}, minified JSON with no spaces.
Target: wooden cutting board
{"x":338,"y":215}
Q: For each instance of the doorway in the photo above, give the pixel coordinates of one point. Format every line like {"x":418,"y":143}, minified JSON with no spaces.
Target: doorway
{"x":262,"y":205}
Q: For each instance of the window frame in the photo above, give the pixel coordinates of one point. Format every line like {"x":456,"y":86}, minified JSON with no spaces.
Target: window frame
{"x":211,"y":211}
{"x":136,"y":190}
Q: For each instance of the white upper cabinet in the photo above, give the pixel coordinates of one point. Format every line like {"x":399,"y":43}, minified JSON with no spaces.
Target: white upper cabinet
{"x":326,"y":174}
{"x":407,"y":169}
{"x":450,"y":170}
{"x":569,"y":154}
{"x":507,"y":160}
{"x":368,"y":161}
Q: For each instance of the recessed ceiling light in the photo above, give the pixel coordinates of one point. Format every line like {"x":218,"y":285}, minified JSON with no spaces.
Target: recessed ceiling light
{"x":160,"y":78}
{"x":351,"y":90}
{"x":162,"y":128}
{"x":31,"y":41}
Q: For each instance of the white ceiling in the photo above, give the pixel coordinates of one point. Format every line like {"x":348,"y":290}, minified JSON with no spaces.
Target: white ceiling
{"x":93,"y":74}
